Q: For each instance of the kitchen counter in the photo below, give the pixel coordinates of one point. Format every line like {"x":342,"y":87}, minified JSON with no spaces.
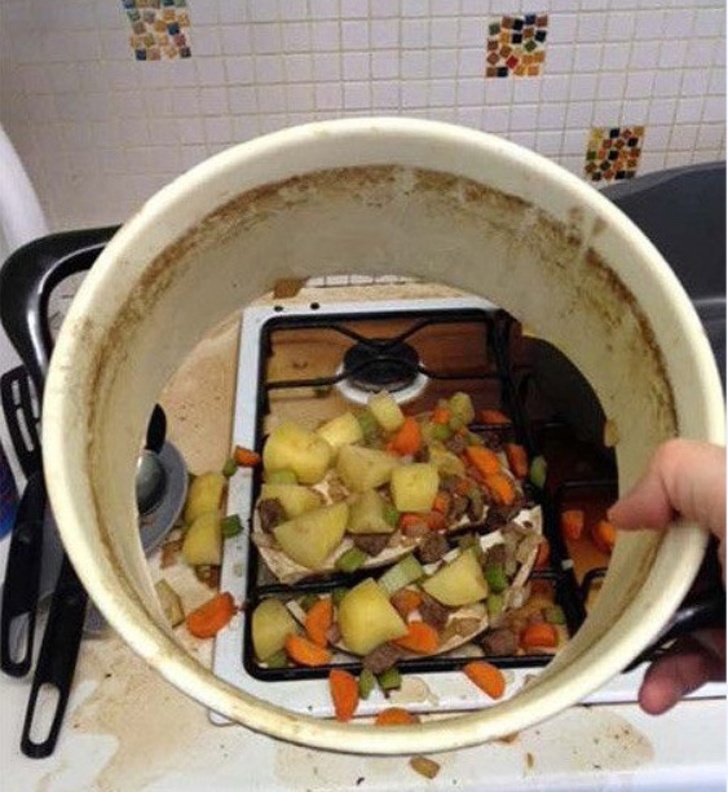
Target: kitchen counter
{"x":127,"y":729}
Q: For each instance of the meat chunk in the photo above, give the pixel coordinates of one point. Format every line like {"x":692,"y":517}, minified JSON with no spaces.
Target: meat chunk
{"x":458,"y":507}
{"x":476,"y":505}
{"x":372,"y":544}
{"x":457,"y":444}
{"x":382,"y":658}
{"x":271,"y":513}
{"x":500,"y":643}
{"x":496,"y":554}
{"x":432,"y":548}
{"x":433,"y":613}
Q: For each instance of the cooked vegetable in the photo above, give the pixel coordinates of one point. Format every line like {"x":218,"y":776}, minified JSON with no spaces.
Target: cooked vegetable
{"x":305,"y":652}
{"x":484,"y":460}
{"x":229,"y":468}
{"x":487,"y":677}
{"x":311,"y":537}
{"x":604,"y":536}
{"x":367,"y":683}
{"x":517,"y":459}
{"x":391,"y":515}
{"x":395,"y":716}
{"x":207,"y":620}
{"x":554,"y":614}
{"x":421,"y":638}
{"x":461,"y":407}
{"x":367,"y":618}
{"x":245,"y":457}
{"x":414,"y":487}
{"x":445,"y":461}
{"x":294,"y":498}
{"x":494,"y":418}
{"x":496,"y":604}
{"x":170,"y":601}
{"x":342,"y":430}
{"x":363,"y":469}
{"x":351,"y":560}
{"x":338,"y":594}
{"x":281,"y":477}
{"x":543,"y":555}
{"x":291,"y":447}
{"x":367,"y":514}
{"x":458,"y":583}
{"x":404,"y":572}
{"x":442,"y":502}
{"x":385,"y":409}
{"x":501,"y":489}
{"x":204,"y":495}
{"x":538,"y":471}
{"x":408,"y":440}
{"x":441,"y":415}
{"x":572,"y":523}
{"x":428,"y":768}
{"x":421,"y":524}
{"x":495,"y":577}
{"x":405,"y":601}
{"x":344,"y":693}
{"x":307,"y":601}
{"x":202,"y":543}
{"x":319,"y":619}
{"x":278,"y":659}
{"x":231,"y":525}
{"x":270,"y":625}
{"x":539,"y":635}
{"x":368,"y":424}
{"x":390,"y":679}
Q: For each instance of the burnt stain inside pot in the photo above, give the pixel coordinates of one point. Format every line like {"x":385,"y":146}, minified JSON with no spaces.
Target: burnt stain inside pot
{"x":381,"y":363}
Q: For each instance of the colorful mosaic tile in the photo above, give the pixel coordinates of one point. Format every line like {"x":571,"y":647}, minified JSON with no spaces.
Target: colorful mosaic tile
{"x":613,"y":153}
{"x":159,"y":29}
{"x":516,"y":45}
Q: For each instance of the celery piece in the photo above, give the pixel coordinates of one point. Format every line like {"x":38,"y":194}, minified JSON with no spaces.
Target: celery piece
{"x":307,"y":601}
{"x":554,"y":614}
{"x":538,"y":471}
{"x":229,"y":468}
{"x":351,"y":560}
{"x":456,"y":423}
{"x":401,"y":574}
{"x":367,"y":683}
{"x":278,"y":659}
{"x":461,"y":406}
{"x":495,"y":575}
{"x":281,"y":477}
{"x":390,"y":679}
{"x":440,"y":432}
{"x":391,"y":515}
{"x":495,"y":605}
{"x":369,"y":425}
{"x":231,"y":525}
{"x":338,"y":594}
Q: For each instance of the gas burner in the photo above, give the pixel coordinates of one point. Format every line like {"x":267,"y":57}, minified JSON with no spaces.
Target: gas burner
{"x":381,"y":364}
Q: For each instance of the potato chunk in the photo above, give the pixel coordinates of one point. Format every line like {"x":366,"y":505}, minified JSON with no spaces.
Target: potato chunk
{"x":368,"y":619}
{"x":461,"y":582}
{"x":311,"y":537}
{"x":366,"y":515}
{"x":414,"y":487}
{"x":203,"y":540}
{"x":295,"y":499}
{"x":363,"y":469}
{"x":270,"y":625}
{"x":385,"y":409}
{"x":340,"y":431}
{"x":291,"y":447}
{"x":204,"y":495}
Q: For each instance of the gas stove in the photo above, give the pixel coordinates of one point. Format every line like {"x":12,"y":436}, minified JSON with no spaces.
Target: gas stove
{"x":309,"y":360}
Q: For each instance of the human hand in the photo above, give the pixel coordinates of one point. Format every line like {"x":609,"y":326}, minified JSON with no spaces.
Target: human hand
{"x":685,"y":479}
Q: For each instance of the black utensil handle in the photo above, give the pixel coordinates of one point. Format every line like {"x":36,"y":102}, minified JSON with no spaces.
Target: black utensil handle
{"x":57,"y":660}
{"x":22,"y":580}
{"x":22,"y":414}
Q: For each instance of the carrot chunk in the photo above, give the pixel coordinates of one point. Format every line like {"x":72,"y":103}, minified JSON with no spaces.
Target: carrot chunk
{"x":517,"y":459}
{"x":408,"y":440}
{"x":405,"y":601}
{"x":319,"y":618}
{"x":483,"y":460}
{"x":443,"y":499}
{"x":487,"y":677}
{"x":539,"y":635}
{"x":572,"y":523}
{"x":604,"y":536}
{"x":207,"y":620}
{"x":501,"y":489}
{"x":395,"y":716}
{"x":344,"y":689}
{"x":494,"y":417}
{"x":441,"y":415}
{"x":305,"y":652}
{"x":543,"y":555}
{"x":244,"y":457}
{"x":421,"y":638}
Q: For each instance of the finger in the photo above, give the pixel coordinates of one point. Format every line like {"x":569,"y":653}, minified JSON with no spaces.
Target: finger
{"x":685,"y":478}
{"x":681,"y":671}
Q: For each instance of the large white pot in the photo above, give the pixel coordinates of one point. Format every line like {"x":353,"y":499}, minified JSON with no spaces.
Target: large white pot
{"x":376,"y":196}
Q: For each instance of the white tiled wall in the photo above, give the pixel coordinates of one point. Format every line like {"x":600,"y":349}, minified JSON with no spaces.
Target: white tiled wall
{"x":100,"y":131}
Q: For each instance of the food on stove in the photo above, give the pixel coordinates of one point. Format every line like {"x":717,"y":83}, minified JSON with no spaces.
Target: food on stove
{"x":368,"y":514}
{"x":537,"y":472}
{"x":319,"y":619}
{"x":604,"y":536}
{"x":366,"y":618}
{"x":460,"y":582}
{"x":421,"y":638}
{"x":207,"y":620}
{"x":539,"y":635}
{"x":291,"y":447}
{"x":245,"y":457}
{"x":395,"y":716}
{"x":489,"y":678}
{"x":344,"y":689}
{"x":340,"y":431}
{"x":202,"y":543}
{"x":414,"y":487}
{"x":204,"y":495}
{"x":270,"y":625}
{"x":170,"y":601}
{"x":362,"y":468}
{"x":572,"y":523}
{"x":294,"y":498}
{"x":386,"y":411}
{"x":517,"y":459}
{"x":425,"y":766}
{"x":305,"y":652}
{"x":422,"y":479}
{"x":311,"y":537}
